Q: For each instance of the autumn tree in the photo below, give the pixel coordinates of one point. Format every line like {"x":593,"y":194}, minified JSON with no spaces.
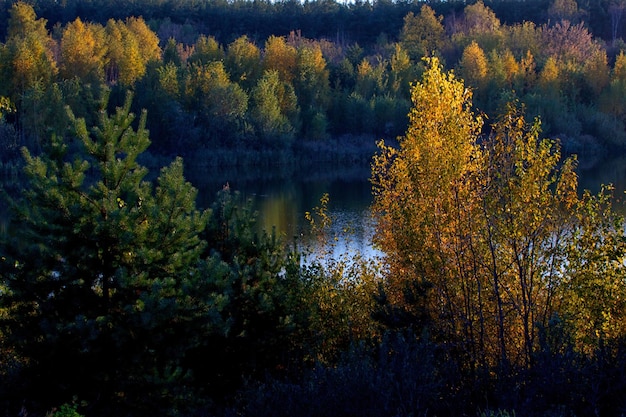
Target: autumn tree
{"x":526,"y":76}
{"x":172,"y":52}
{"x":417,"y":188}
{"x":311,"y":85}
{"x":473,"y":65}
{"x":219,"y":103}
{"x":422,"y":35}
{"x":243,"y":62}
{"x":524,"y":231}
{"x":149,"y":41}
{"x":502,"y":71}
{"x":205,"y":50}
{"x":564,"y":10}
{"x":568,"y":43}
{"x":594,"y":291}
{"x":619,"y":68}
{"x":549,"y":77}
{"x":523,"y":37}
{"x":484,"y":222}
{"x":82,"y":49}
{"x":596,"y":74}
{"x":274,"y":108}
{"x":371,"y":79}
{"x":402,"y":72}
{"x":131,"y":45}
{"x":29,"y":50}
{"x":27,"y":68}
{"x":280,"y":56}
{"x":480,"y":24}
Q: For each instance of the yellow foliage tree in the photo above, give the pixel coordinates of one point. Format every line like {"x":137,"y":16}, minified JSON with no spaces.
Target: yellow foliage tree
{"x":619,"y":68}
{"x":511,"y":66}
{"x":370,"y":80}
{"x":131,"y":45}
{"x":422,"y":35}
{"x":527,"y":75}
{"x":83,"y":49}
{"x":523,"y":37}
{"x":280,"y":56}
{"x":311,"y":81}
{"x":29,"y":58}
{"x":243,"y":62}
{"x":502,"y":69}
{"x":403,"y":72}
{"x":479,"y":24}
{"x":417,"y":187}
{"x":595,"y":297}
{"x":596,"y":72}
{"x":473,"y":65}
{"x":492,"y":226}
{"x":148,"y":40}
{"x":206,"y":49}
{"x":549,"y":76}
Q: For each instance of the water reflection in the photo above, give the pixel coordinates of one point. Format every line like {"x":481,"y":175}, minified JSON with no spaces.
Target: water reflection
{"x":282,"y":197}
{"x":610,"y":171}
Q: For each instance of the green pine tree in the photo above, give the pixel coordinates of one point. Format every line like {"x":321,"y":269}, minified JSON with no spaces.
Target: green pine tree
{"x":103,"y":288}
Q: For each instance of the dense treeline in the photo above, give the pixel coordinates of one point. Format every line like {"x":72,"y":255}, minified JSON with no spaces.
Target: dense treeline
{"x":359,"y":22}
{"x":207,"y":88}
{"x":501,"y":287}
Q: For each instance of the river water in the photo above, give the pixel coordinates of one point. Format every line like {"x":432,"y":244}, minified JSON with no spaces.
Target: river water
{"x":283,"y":196}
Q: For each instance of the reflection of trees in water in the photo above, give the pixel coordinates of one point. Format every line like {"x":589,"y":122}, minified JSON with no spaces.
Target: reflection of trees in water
{"x":354,"y":230}
{"x":278,"y":212}
{"x":607,"y":171}
{"x":261,"y":181}
{"x":282,"y":195}
{"x":304,"y":172}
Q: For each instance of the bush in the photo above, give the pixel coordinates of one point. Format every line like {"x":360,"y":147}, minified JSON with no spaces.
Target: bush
{"x":67,"y":410}
{"x":397,"y":378}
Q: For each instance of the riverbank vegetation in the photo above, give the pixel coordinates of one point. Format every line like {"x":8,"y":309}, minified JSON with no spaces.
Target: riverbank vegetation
{"x":500,"y":289}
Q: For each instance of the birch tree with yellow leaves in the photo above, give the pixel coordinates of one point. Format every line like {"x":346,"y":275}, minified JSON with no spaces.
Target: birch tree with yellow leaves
{"x":492,"y":226}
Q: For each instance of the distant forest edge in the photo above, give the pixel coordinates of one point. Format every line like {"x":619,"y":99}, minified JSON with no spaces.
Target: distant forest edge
{"x":254,"y":79}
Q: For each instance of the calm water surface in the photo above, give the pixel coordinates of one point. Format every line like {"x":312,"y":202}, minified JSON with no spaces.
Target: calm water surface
{"x":609,"y":171}
{"x":283,"y":196}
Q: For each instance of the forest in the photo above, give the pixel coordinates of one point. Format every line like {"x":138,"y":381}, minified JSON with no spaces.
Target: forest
{"x":501,"y":288}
